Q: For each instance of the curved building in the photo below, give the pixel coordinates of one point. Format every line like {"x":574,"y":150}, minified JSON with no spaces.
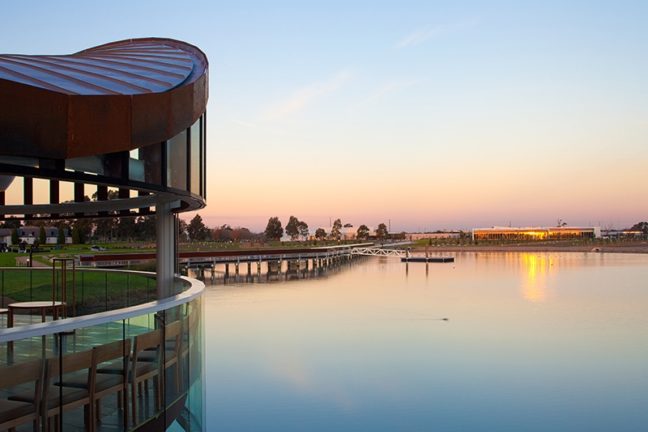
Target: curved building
{"x":125,"y":124}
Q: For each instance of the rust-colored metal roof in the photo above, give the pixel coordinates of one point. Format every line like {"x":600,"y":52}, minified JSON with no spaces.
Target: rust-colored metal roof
{"x":113,"y":97}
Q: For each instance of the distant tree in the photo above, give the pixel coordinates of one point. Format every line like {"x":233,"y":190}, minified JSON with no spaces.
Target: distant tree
{"x":10,"y":224}
{"x":381,"y":231}
{"x":336,"y":231}
{"x":82,"y":228}
{"x":363,"y":232}
{"x":223,"y":233}
{"x":348,"y":225}
{"x":243,"y":234}
{"x":320,"y":233}
{"x":42,"y":236}
{"x":126,"y":229}
{"x":292,"y":228}
{"x":14,"y":236}
{"x":106,"y":228}
{"x":197,"y":229}
{"x":112,"y":194}
{"x":303,"y":229}
{"x":76,"y":236}
{"x":60,"y":237}
{"x":273,"y":230}
{"x":641,"y":226}
{"x":145,"y":227}
{"x":182,"y":230}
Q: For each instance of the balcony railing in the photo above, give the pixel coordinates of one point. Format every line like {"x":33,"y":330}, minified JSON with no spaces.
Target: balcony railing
{"x":116,"y":362}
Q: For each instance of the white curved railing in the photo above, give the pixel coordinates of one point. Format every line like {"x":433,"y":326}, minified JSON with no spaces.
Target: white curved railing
{"x":195,"y":289}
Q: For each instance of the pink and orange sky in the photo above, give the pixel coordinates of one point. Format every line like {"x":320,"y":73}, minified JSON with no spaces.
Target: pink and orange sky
{"x":433,"y":116}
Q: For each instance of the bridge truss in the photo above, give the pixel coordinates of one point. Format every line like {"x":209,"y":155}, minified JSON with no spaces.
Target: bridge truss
{"x":374,"y":251}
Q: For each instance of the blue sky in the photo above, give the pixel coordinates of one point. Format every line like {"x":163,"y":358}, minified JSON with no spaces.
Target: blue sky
{"x":431,"y":114}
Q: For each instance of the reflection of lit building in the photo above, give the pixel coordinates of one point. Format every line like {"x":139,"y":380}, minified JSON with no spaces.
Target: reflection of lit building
{"x":535,"y":233}
{"x":534,"y":287}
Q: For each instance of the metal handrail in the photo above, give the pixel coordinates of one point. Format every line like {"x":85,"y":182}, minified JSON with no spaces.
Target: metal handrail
{"x":194,"y":291}
{"x":83,"y":269}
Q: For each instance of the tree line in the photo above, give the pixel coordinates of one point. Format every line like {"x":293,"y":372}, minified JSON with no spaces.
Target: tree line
{"x":296,"y":228}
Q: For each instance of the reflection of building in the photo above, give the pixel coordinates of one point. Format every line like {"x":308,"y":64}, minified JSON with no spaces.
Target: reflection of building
{"x":124,"y":122}
{"x":534,"y":285}
{"x":535,"y":233}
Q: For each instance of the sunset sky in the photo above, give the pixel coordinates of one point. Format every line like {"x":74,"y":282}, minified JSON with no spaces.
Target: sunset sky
{"x":430,"y":114}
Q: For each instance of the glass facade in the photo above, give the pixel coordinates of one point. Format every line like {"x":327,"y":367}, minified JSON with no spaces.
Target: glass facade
{"x":177,"y":161}
{"x":195,"y":158}
{"x":178,"y":164}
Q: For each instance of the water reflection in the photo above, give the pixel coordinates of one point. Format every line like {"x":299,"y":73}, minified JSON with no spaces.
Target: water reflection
{"x":534,"y":287}
{"x":364,"y":349}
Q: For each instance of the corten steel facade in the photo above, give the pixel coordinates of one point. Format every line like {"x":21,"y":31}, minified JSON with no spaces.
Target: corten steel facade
{"x":128,"y":115}
{"x":126,"y":123}
{"x":536,"y":233}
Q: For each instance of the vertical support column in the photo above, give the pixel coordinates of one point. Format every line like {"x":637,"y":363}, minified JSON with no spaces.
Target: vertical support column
{"x":54,"y":194}
{"x":79,"y":195}
{"x":166,"y":248}
{"x":102,"y":195}
{"x":28,"y":193}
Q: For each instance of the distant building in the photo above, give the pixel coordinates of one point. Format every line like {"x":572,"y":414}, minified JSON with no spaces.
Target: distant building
{"x":621,"y":234}
{"x":5,"y":238}
{"x":535,"y":233}
{"x":433,"y":235}
{"x":29,"y":234}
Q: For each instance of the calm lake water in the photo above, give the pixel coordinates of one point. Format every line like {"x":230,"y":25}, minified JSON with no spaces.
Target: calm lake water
{"x":533,"y":342}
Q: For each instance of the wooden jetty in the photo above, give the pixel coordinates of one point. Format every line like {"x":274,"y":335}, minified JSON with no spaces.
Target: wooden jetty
{"x":428,"y":259}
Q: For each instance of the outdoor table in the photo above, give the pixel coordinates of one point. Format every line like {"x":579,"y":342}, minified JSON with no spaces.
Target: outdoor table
{"x":43,"y":306}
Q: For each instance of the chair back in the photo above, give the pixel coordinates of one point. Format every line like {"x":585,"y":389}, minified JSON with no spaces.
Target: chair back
{"x":150,"y":340}
{"x":22,"y":373}
{"x":112,"y":351}
{"x":173,"y":331}
{"x":68,"y":363}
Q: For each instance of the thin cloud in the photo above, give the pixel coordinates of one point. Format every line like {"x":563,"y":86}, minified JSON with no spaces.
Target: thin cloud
{"x":423,"y":35}
{"x":384,"y":90}
{"x":306,"y":96}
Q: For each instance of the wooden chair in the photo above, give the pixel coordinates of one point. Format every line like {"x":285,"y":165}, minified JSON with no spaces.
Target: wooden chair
{"x":117,"y":355}
{"x":142,"y":371}
{"x":171,"y":352}
{"x":15,"y":413}
{"x":57,"y":397}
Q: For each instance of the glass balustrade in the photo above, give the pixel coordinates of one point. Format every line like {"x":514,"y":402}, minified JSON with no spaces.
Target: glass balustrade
{"x":123,"y":360}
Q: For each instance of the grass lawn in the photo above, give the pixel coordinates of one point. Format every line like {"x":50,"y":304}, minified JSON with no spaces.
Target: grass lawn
{"x":94,"y":291}
{"x":8,"y":259}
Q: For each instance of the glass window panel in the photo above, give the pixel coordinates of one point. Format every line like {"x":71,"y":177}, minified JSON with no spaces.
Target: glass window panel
{"x":204,"y":155}
{"x":151,"y":157}
{"x":195,"y":157}
{"x":177,"y":161}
